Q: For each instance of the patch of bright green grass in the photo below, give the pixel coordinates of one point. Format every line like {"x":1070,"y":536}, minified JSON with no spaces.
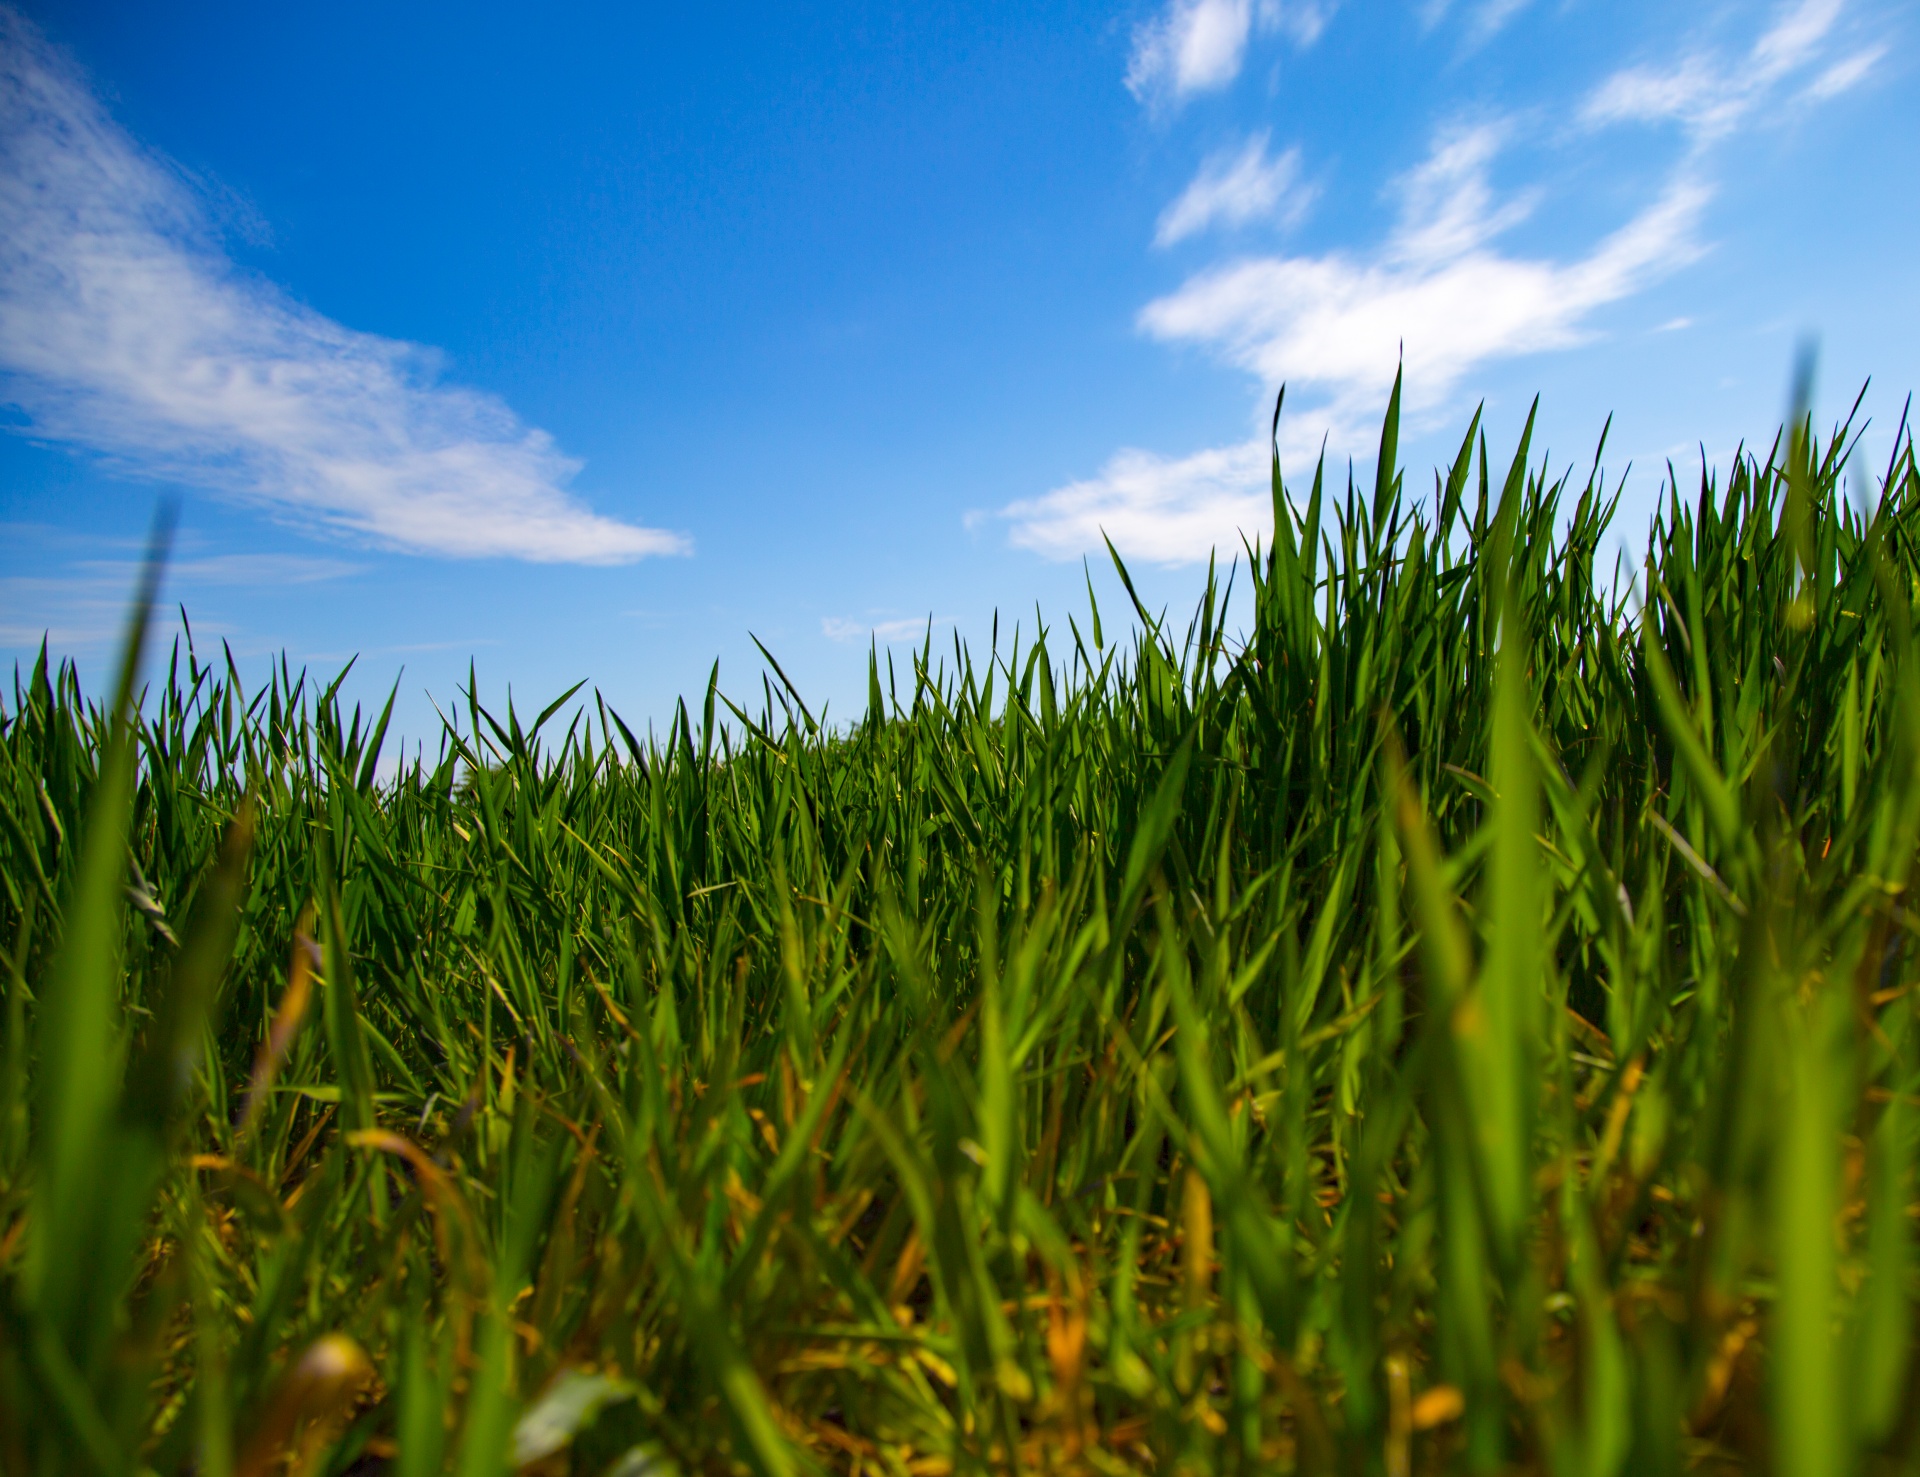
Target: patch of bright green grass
{"x":1467,"y":1024}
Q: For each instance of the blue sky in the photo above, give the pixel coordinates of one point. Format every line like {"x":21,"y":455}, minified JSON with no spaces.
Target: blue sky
{"x":583,"y":341}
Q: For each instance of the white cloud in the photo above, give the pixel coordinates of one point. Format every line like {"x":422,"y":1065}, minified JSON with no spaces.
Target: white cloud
{"x":1437,"y":294}
{"x":1492,"y":17}
{"x":1200,"y":45}
{"x":1156,"y":509}
{"x":1793,"y":39}
{"x":1709,"y":93}
{"x":1484,"y":21}
{"x":1437,"y":286}
{"x":1235,"y":188}
{"x":125,"y":329}
{"x":1196,"y":46}
{"x":1690,"y":91}
{"x":838,"y":628}
{"x":263,"y":570}
{"x":1446,"y":201}
{"x":84,"y":605}
{"x":69,"y":614}
{"x":1300,"y":21}
{"x":1843,"y":74}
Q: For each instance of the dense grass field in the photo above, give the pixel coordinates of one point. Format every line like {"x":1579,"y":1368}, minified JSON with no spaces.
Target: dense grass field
{"x":1448,"y":1006}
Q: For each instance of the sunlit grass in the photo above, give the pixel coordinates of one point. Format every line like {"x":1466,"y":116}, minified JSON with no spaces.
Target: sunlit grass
{"x":1467,"y":1024}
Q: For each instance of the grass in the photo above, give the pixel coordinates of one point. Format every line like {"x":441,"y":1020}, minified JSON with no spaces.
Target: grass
{"x":1466,"y":1024}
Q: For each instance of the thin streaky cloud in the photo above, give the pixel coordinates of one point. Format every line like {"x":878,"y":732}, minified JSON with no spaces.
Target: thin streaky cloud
{"x":1494,"y":16}
{"x":127,"y":331}
{"x":1710,"y":93}
{"x":1483,"y":21}
{"x":405,"y":648}
{"x":261,"y":571}
{"x":1845,"y":73}
{"x":1447,"y":205}
{"x":84,"y":603}
{"x":1196,"y":46}
{"x":1683,"y":92}
{"x":1235,"y":188}
{"x":839,"y":628}
{"x":1300,"y":21}
{"x":1792,"y":40}
{"x":71,"y":615}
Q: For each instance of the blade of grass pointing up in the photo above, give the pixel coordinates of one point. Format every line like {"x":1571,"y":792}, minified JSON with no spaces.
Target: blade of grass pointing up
{"x":1501,"y":1033}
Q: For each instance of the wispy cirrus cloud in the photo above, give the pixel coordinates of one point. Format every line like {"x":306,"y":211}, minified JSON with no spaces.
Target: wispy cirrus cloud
{"x":126,"y":330}
{"x":72,"y":612}
{"x":839,"y":628}
{"x":261,"y":570}
{"x":1484,"y":20}
{"x":1844,"y":74}
{"x":1438,"y":295}
{"x":1711,"y":91}
{"x":81,"y":604}
{"x":1492,"y":16}
{"x":1234,"y":188}
{"x":1196,"y":46}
